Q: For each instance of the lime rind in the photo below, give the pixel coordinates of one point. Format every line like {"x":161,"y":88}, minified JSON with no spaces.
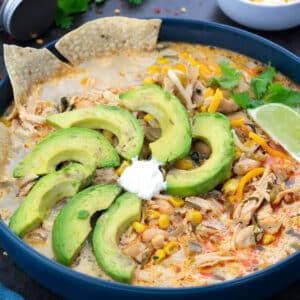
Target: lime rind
{"x":282,"y":124}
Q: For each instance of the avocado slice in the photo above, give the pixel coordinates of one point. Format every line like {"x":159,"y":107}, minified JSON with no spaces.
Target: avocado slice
{"x":176,"y":137}
{"x":112,"y":118}
{"x":83,"y":145}
{"x":214,"y":129}
{"x":46,"y":193}
{"x":109,"y":227}
{"x":72,"y":225}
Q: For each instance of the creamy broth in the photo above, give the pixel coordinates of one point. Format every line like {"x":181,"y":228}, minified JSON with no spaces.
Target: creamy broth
{"x":207,"y":252}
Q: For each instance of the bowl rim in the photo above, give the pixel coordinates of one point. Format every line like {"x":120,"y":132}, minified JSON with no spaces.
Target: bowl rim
{"x":270,"y":5}
{"x":7,"y":235}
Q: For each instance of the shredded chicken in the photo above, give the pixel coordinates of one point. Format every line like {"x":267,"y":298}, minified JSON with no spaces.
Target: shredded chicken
{"x":244,"y":165}
{"x":211,"y":259}
{"x":205,"y":205}
{"x":244,"y":237}
{"x":246,"y":209}
{"x":151,"y":133}
{"x":105,"y":176}
{"x":29,"y":117}
{"x":38,"y":235}
{"x":288,"y":195}
{"x":227,"y":105}
{"x":197,"y":97}
{"x":187,"y":98}
{"x":266,"y":219}
{"x":241,"y":146}
{"x":112,"y":98}
{"x":5,"y":214}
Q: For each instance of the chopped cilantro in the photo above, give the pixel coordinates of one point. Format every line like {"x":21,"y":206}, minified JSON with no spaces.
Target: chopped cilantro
{"x":266,"y":92}
{"x":229,"y":79}
{"x":136,"y":2}
{"x":278,"y":93}
{"x":260,"y":84}
{"x":73,"y":6}
{"x":62,"y":20}
{"x":245,"y":101}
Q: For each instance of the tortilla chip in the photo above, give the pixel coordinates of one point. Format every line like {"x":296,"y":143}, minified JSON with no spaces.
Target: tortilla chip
{"x":29,"y":66}
{"x":4,"y":142}
{"x":106,"y":35}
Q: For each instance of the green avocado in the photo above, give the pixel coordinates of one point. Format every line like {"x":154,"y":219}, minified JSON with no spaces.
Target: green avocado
{"x":109,"y":227}
{"x":83,"y":145}
{"x":176,"y":137}
{"x":72,"y":226}
{"x":112,"y":118}
{"x":46,"y":193}
{"x":214,"y":129}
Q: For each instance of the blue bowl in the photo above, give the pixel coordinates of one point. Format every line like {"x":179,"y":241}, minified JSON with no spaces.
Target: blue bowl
{"x":73,"y":285}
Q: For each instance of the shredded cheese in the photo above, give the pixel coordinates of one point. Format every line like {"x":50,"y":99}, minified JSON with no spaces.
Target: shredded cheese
{"x":259,"y":140}
{"x":213,"y":106}
{"x":245,"y":179}
{"x":237,"y":122}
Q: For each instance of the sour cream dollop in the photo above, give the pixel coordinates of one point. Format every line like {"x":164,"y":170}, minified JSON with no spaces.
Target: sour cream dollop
{"x":144,"y":178}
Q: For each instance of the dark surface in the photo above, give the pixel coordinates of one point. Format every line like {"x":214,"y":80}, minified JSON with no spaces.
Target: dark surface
{"x":10,"y":275}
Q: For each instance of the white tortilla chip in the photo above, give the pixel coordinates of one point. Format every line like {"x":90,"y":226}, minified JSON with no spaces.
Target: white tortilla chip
{"x":4,"y":142}
{"x":106,"y":35}
{"x":29,"y":66}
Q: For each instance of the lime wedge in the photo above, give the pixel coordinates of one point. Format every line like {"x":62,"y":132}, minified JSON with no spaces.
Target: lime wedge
{"x":281,"y":123}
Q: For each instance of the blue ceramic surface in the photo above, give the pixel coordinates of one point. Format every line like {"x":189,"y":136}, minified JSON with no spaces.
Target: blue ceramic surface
{"x":74,"y":285}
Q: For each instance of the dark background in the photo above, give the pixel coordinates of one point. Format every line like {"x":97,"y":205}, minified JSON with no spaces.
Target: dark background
{"x":10,"y":274}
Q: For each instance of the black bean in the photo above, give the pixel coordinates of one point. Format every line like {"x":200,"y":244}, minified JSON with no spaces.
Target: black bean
{"x":64,"y":104}
{"x":195,"y":157}
{"x":198,"y":91}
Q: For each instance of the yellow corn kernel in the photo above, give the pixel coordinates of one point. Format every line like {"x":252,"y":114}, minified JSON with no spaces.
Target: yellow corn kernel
{"x":171,"y":247}
{"x":204,"y":72}
{"x":237,"y":122}
{"x":151,"y":214}
{"x":148,"y":117}
{"x":213,"y":106}
{"x":185,"y":55}
{"x":209,"y":92}
{"x":249,"y":143}
{"x":184,"y":164}
{"x":165,"y":69}
{"x":237,"y":153}
{"x":218,"y":71}
{"x":162,"y":60}
{"x":5,"y":122}
{"x":176,"y":201}
{"x":122,"y":167}
{"x":183,"y":78}
{"x":108,"y":135}
{"x":159,"y":256}
{"x":149,"y":80}
{"x":194,"y":216}
{"x":193,"y":61}
{"x":139,"y":227}
{"x":268,"y":239}
{"x":182,"y":68}
{"x":230,"y":186}
{"x":203,"y":108}
{"x":231,"y":198}
{"x":153,"y":69}
{"x":164,"y":221}
{"x":297,"y":220}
